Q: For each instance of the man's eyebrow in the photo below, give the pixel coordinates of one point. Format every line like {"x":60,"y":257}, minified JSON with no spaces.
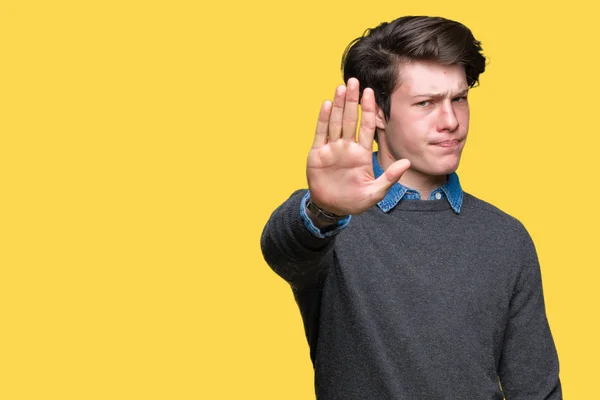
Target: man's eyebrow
{"x":438,"y":95}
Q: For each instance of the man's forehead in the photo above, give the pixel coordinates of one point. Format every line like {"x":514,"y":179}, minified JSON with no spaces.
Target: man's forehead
{"x":418,"y":78}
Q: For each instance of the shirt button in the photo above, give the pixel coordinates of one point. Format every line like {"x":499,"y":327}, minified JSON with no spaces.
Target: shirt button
{"x":438,"y":195}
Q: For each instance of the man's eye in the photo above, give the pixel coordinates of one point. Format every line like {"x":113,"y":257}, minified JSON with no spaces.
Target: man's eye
{"x":460,"y":99}
{"x":424,"y":103}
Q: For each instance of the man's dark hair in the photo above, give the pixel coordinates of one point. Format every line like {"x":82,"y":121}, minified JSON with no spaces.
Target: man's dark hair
{"x":375,"y":57}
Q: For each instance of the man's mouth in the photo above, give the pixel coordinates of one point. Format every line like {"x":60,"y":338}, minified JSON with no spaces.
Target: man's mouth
{"x":447,"y":143}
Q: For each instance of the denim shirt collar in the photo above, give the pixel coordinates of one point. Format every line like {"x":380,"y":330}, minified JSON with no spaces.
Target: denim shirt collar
{"x":451,"y":190}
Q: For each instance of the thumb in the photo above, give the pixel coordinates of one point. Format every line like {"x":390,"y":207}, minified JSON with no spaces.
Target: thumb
{"x":391,"y":175}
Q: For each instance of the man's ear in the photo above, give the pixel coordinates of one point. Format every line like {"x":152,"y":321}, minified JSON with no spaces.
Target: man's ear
{"x":380,"y":118}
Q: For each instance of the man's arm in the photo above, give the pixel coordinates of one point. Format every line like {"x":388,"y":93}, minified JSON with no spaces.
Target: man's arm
{"x":529,"y":367}
{"x":341,"y":181}
{"x":290,"y":248}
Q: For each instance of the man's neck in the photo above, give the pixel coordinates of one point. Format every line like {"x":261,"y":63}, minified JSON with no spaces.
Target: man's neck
{"x":422,"y":183}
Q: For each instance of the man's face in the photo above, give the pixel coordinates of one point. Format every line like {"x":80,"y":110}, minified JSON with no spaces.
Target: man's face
{"x":429,"y":118}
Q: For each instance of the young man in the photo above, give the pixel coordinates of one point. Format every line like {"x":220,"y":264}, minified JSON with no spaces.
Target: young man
{"x":409,"y":288}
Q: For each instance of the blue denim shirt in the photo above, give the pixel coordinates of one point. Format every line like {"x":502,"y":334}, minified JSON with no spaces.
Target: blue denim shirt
{"x":451,"y":190}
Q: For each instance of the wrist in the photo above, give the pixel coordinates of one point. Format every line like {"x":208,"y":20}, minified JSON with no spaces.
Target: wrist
{"x":322,"y":216}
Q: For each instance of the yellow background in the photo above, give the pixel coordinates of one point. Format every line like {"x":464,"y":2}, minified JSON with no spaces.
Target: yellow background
{"x":144,"y":145}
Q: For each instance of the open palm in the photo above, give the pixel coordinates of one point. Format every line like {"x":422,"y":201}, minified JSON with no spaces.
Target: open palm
{"x":339,"y":168}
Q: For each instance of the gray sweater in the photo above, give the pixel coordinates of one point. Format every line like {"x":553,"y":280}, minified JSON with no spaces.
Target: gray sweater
{"x":419,"y":303}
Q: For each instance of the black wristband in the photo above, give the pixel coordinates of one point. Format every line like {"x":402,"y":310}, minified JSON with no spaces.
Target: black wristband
{"x":323,"y":215}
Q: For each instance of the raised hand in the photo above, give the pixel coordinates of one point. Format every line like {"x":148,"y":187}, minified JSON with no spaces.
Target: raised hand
{"x":339,"y":168}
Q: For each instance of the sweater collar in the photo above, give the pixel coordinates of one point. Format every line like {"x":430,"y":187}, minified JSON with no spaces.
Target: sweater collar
{"x":451,"y":190}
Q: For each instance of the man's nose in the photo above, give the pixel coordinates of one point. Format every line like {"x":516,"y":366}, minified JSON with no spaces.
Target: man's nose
{"x":447,"y":120}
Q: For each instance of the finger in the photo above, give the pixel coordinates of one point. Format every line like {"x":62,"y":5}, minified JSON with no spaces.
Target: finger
{"x":322,"y":124}
{"x":350,"y":117}
{"x":337,"y":111}
{"x":391,"y":175}
{"x":366,"y":132}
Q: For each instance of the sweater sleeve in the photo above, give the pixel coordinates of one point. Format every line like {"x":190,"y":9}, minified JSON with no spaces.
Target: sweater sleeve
{"x":529,"y":368}
{"x":290,"y":249}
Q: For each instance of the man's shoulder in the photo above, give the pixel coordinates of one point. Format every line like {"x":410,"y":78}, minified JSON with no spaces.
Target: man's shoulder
{"x":490,"y":212}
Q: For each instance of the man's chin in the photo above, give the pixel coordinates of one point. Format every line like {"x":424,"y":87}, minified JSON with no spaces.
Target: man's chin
{"x":443,"y":169}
